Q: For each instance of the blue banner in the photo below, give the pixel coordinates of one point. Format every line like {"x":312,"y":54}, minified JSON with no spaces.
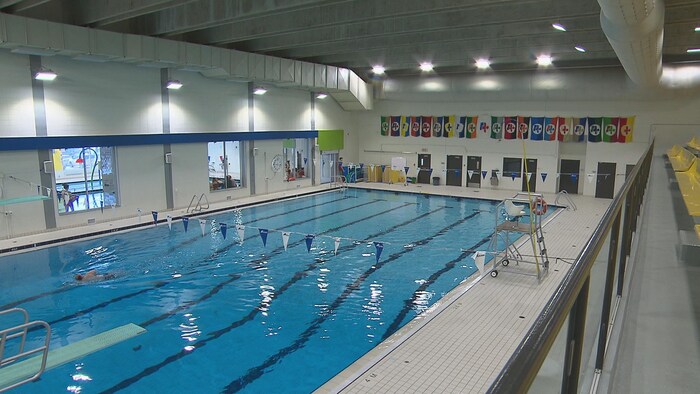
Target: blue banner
{"x":185,"y":222}
{"x":263,"y":235}
{"x":309,"y":239}
{"x":223,"y":227}
{"x":379,"y":246}
{"x":537,"y":128}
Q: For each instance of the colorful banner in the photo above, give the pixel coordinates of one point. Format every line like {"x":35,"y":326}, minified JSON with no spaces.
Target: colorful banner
{"x":263,"y":235}
{"x":610,"y":126}
{"x":550,"y":129}
{"x":579,"y":129}
{"x":537,"y":128}
{"x":426,"y":126}
{"x":415,"y":126}
{"x":625,"y":129}
{"x":595,"y":128}
{"x":523,"y":127}
{"x":471,"y":126}
{"x":461,"y":127}
{"x":564,"y":130}
{"x":437,"y":126}
{"x":384,"y":129}
{"x":395,"y":126}
{"x":485,"y":125}
{"x":510,"y":126}
{"x":405,"y":126}
{"x":497,"y":127}
{"x":379,"y":246}
{"x":448,"y":128}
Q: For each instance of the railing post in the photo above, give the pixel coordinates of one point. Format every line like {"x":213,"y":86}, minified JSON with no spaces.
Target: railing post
{"x":624,"y":250}
{"x":574,"y":340}
{"x":607,"y":296}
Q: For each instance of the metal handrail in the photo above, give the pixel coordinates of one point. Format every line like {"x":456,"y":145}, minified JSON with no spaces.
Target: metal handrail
{"x":21,"y":331}
{"x":198,"y":207}
{"x":190,"y":204}
{"x":523,"y":366}
{"x":566,"y":196}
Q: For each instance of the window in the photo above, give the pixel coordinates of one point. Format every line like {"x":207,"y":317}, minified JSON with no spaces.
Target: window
{"x":296,"y":158}
{"x":85,"y":178}
{"x":511,"y":167}
{"x":224,"y":165}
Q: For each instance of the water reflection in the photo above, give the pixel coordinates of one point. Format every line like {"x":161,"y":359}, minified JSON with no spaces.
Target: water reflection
{"x":189,"y":329}
{"x":267,"y":293}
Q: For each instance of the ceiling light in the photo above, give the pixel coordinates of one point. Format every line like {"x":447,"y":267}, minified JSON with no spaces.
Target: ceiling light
{"x":45,"y":75}
{"x":483,"y":63}
{"x":580,"y":48}
{"x":558,"y":26}
{"x":427,"y":66}
{"x":321,"y":96}
{"x":259,"y":91}
{"x":697,"y":29}
{"x":693,"y":50}
{"x":378,"y":69}
{"x":173,"y":84}
{"x":544,"y":60}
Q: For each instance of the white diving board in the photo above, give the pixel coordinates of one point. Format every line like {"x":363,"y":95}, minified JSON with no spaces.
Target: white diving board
{"x":25,"y":369}
{"x":19,"y":200}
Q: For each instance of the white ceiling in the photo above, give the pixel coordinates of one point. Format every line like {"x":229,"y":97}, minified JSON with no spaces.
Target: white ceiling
{"x":398,"y":34}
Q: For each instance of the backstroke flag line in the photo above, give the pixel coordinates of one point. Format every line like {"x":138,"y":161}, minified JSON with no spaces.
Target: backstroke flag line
{"x":202,"y":225}
{"x":285,"y":240}
{"x":240,"y":229}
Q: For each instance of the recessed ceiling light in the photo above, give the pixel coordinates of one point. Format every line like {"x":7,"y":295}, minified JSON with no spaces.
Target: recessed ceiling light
{"x":544,"y":60}
{"x":174,"y":85}
{"x":427,"y":66}
{"x":378,"y":69}
{"x":697,"y":29}
{"x":693,"y":50}
{"x":558,"y":26}
{"x":580,"y":48}
{"x":483,"y":63}
{"x":259,"y":91}
{"x":321,"y":96}
{"x":45,"y":75}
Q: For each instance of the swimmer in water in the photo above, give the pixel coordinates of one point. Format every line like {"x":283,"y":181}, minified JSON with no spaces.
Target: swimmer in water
{"x":92,"y":276}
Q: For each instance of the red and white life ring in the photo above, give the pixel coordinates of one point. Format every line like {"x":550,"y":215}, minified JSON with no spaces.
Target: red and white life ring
{"x":539,"y":206}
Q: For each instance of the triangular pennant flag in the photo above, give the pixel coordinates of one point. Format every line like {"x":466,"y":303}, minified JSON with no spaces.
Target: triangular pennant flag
{"x":362,"y":165}
{"x":590,"y":177}
{"x":170,"y":222}
{"x":335,"y":248}
{"x":263,"y":235}
{"x":544,"y":176}
{"x":240,"y":229}
{"x":379,"y":246}
{"x":185,"y":222}
{"x":529,"y":175}
{"x":202,"y":225}
{"x":305,"y":160}
{"x":309,"y":239}
{"x":483,"y":174}
{"x":470,"y":173}
{"x":406,"y":170}
{"x":512,"y":176}
{"x":285,"y":239}
{"x":224,"y":228}
{"x":479,"y":258}
{"x":155,"y":217}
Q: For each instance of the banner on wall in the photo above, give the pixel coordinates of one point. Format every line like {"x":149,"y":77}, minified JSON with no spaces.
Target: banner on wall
{"x":384,"y":128}
{"x":461,"y":127}
{"x":449,"y":127}
{"x":610,"y":129}
{"x":537,"y":128}
{"x":523,"y":127}
{"x":595,"y":126}
{"x":510,"y":127}
{"x":579,"y":129}
{"x":415,"y":126}
{"x":437,"y":126}
{"x":471,"y":126}
{"x":497,"y":127}
{"x":405,"y":127}
{"x":395,"y":126}
{"x":426,"y":126}
{"x":550,"y":129}
{"x":626,"y":129}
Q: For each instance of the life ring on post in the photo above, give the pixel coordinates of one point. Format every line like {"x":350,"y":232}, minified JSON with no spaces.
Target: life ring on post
{"x":539,"y":206}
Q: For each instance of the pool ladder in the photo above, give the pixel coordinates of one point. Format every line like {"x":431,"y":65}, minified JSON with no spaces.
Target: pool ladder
{"x":19,"y":333}
{"x":565,"y":195}
{"x":198,"y":207}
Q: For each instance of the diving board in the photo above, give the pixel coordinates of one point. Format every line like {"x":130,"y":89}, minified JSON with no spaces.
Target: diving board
{"x":23,"y":370}
{"x":19,"y":200}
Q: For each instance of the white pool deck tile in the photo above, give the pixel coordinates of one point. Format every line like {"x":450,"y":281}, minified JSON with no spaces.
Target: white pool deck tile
{"x":463,"y":341}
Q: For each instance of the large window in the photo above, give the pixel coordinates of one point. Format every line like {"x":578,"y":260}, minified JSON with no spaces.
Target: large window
{"x":224,"y":165}
{"x":512,"y":167}
{"x":296,"y":158}
{"x":85,"y":178}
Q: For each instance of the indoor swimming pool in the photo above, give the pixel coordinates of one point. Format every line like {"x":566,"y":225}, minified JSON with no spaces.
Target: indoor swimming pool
{"x":226,"y":316}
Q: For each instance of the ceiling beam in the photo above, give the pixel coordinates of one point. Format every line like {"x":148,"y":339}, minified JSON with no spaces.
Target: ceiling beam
{"x":99,"y":13}
{"x":13,"y":6}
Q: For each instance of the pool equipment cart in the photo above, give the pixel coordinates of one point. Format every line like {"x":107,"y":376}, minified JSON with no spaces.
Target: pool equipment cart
{"x":515,"y":217}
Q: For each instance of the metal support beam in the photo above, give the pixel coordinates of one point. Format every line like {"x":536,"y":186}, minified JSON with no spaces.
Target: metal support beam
{"x":165,"y":100}
{"x":574,"y":341}
{"x":98,"y":13}
{"x":607,"y":295}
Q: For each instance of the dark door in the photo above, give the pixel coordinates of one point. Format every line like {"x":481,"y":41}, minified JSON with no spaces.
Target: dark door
{"x":474,"y":168}
{"x":569,"y":176}
{"x":605,"y":182}
{"x":454,"y":170}
{"x":531,"y":168}
{"x":424,"y":166}
{"x":628,"y":170}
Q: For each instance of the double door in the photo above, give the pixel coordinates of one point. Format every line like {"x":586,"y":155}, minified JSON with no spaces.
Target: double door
{"x":474,"y":168}
{"x":454,"y":170}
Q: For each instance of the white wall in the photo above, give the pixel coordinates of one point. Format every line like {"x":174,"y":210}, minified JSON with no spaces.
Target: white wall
{"x":330,"y":116}
{"x":282,"y":109}
{"x":17,"y":110}
{"x":25,"y":217}
{"x":102,"y":98}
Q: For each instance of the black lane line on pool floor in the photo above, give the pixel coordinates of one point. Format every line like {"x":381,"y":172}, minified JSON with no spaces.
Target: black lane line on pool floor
{"x":189,"y":304}
{"x":409,"y":303}
{"x":254,"y":373}
{"x":251,"y":315}
{"x":167,"y":252}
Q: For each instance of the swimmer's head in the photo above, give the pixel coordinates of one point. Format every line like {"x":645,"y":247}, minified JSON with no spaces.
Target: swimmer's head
{"x":79,"y":277}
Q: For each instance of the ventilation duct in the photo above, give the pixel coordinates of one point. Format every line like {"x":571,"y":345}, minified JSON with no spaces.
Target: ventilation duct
{"x":635,"y":30}
{"x":43,"y":38}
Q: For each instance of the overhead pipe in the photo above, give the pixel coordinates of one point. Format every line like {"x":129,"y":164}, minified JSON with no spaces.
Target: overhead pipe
{"x":635,"y":30}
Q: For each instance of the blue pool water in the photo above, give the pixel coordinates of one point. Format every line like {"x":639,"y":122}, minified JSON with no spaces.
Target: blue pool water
{"x":222,"y":316}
